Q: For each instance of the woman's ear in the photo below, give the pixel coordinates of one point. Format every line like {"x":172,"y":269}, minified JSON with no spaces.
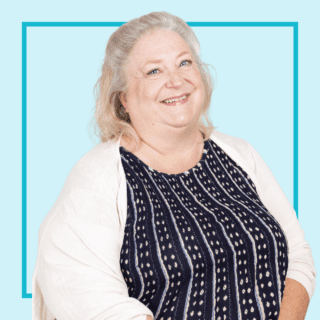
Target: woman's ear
{"x":123,"y":99}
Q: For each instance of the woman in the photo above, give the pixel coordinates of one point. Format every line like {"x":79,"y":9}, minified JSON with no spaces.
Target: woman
{"x":168,"y":218}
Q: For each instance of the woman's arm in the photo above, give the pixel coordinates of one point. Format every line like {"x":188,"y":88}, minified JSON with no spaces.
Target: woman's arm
{"x":295,"y":301}
{"x":78,"y":273}
{"x":301,"y":273}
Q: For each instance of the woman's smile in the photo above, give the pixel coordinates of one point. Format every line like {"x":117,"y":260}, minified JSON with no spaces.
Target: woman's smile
{"x":176,"y":102}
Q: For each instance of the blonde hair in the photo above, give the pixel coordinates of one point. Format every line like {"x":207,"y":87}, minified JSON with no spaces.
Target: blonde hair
{"x":110,"y":119}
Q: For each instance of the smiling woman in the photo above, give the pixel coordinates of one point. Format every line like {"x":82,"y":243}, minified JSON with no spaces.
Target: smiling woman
{"x":165,"y":103}
{"x":168,"y":218}
{"x":142,"y":55}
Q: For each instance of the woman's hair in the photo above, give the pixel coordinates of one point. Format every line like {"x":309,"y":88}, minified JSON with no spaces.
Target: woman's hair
{"x":110,"y":119}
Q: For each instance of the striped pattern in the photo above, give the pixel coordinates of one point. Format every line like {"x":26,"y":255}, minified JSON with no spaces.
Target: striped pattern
{"x":201,"y":244}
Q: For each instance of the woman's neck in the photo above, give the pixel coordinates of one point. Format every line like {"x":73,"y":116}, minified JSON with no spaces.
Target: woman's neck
{"x":169,"y":155}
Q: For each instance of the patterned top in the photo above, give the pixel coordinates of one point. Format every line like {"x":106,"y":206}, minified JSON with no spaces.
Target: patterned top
{"x":201,"y":244}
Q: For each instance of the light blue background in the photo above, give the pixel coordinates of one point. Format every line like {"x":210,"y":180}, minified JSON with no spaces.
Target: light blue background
{"x":252,"y":100}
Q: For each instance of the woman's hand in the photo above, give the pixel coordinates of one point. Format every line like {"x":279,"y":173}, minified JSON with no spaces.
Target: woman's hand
{"x":295,"y":301}
{"x":149,"y":318}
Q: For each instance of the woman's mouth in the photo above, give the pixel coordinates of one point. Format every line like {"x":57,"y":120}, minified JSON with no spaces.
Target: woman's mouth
{"x":176,"y":102}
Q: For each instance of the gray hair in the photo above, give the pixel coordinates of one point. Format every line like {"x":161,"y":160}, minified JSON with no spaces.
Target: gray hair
{"x":110,"y":119}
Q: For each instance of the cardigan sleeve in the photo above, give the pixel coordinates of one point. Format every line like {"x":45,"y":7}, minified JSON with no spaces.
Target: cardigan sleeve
{"x":77,"y":273}
{"x":301,"y":265}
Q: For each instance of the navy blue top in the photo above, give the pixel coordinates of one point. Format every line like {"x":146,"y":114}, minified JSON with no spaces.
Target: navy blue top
{"x":201,"y":244}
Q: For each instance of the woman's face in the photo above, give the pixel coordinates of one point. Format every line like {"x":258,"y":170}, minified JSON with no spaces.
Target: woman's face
{"x":161,"y":67}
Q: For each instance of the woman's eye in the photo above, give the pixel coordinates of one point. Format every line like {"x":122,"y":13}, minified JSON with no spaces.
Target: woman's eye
{"x":151,"y":72}
{"x":189,"y":62}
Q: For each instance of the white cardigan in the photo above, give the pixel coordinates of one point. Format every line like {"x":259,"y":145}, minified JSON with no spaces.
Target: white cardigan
{"x":77,"y":273}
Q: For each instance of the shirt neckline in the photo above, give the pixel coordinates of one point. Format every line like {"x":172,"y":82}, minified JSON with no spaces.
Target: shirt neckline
{"x":204,"y":152}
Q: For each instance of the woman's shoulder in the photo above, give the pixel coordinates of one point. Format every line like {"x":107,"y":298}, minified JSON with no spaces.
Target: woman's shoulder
{"x":95,"y":172}
{"x":236,"y":143}
{"x":96,"y":164}
{"x":101,"y":157}
{"x":237,"y":146}
{"x":91,"y":185}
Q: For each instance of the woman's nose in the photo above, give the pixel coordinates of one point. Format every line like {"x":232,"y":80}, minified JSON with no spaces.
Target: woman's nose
{"x":175,"y":81}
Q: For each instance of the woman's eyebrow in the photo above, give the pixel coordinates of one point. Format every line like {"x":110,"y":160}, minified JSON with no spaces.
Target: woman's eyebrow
{"x":157,"y":61}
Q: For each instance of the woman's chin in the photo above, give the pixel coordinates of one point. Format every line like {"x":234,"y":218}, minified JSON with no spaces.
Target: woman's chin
{"x":180,"y":123}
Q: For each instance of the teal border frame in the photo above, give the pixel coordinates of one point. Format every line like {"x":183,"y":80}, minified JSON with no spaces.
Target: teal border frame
{"x":25,"y":25}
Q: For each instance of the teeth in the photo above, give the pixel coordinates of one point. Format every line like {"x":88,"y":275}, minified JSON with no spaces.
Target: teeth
{"x":174,"y":100}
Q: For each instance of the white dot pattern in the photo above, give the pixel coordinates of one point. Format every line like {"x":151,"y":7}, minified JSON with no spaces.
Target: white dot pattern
{"x":201,"y":244}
